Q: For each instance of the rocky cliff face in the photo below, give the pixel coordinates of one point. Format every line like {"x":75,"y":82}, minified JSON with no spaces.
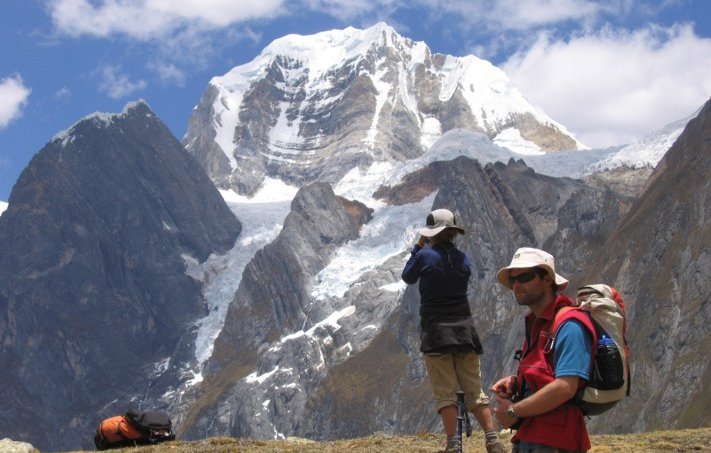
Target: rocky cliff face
{"x":96,"y":310}
{"x":270,"y":329}
{"x":379,"y":383}
{"x":659,"y":257}
{"x":359,"y":369}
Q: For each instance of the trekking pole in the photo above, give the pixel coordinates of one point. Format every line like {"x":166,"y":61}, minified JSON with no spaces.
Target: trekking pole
{"x":467,"y":419}
{"x":460,"y":417}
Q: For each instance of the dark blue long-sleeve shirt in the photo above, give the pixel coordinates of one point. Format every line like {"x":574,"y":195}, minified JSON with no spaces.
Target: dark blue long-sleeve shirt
{"x":446,"y":323}
{"x":443,"y":272}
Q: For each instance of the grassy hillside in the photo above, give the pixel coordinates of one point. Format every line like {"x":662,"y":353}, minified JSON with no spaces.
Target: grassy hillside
{"x":689,"y":440}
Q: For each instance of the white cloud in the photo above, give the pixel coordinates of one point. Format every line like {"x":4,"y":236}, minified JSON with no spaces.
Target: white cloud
{"x":346,"y":10}
{"x":612,"y":87}
{"x":62,"y":94}
{"x":149,"y":19}
{"x":115,"y":84}
{"x":169,"y":73}
{"x":501,"y":15}
{"x":13,"y":98}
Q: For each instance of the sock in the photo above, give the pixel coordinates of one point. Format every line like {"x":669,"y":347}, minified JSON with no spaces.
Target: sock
{"x":491,"y":435}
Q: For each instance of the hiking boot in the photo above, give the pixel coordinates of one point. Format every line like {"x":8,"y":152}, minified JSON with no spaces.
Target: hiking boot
{"x":494,"y":446}
{"x":453,"y":445}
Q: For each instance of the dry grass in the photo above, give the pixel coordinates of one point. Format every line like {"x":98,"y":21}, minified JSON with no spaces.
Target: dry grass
{"x":691,"y":440}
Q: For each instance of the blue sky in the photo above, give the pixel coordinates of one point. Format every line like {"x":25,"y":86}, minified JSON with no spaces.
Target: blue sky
{"x":611,"y":71}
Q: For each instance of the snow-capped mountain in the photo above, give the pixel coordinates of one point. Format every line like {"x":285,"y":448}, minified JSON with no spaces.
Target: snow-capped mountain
{"x":365,"y":115}
{"x":312,"y":107}
{"x":645,"y":152}
{"x":3,"y":207}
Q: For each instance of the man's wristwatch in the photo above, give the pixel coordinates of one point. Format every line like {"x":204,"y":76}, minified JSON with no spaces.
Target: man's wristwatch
{"x":512,"y":413}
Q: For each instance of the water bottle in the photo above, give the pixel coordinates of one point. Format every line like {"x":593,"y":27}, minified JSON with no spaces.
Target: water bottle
{"x":608,"y":364}
{"x":605,"y":341}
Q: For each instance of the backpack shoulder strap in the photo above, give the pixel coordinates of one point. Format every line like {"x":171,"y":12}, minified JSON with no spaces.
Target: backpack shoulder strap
{"x":563,"y":315}
{"x":573,"y":312}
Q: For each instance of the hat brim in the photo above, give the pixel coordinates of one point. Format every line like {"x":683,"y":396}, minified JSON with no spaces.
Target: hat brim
{"x":429,"y":232}
{"x":503,"y":274}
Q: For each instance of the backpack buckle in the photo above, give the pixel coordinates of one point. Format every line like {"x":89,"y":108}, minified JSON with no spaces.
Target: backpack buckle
{"x":548,"y":346}
{"x":518,"y":354}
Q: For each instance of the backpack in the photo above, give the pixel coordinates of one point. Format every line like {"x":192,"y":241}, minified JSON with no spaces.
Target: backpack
{"x":133,"y":428}
{"x":610,"y":374}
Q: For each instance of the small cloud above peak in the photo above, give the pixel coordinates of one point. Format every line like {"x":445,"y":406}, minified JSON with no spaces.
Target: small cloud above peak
{"x":13,"y":98}
{"x":116,"y":84}
{"x":62,"y":94}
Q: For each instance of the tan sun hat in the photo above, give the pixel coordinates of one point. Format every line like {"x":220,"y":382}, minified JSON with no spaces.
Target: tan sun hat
{"x":437,"y":221}
{"x":527,"y":257}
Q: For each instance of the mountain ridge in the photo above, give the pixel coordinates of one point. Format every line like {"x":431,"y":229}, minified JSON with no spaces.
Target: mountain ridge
{"x":92,"y":250}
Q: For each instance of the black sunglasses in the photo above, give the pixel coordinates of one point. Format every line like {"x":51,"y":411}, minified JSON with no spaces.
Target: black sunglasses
{"x":524,"y":278}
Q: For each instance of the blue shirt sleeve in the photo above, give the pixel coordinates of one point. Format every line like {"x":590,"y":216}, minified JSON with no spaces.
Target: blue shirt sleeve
{"x":573,"y":351}
{"x":412,"y":270}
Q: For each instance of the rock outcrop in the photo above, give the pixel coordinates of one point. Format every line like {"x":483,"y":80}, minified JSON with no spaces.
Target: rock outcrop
{"x":273,"y":302}
{"x":359,"y":370}
{"x":96,"y":310}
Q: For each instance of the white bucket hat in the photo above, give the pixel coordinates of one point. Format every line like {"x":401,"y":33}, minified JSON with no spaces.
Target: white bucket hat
{"x":437,"y":221}
{"x":527,"y":257}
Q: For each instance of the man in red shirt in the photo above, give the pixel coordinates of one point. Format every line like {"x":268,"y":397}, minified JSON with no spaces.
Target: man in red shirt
{"x":552,"y":367}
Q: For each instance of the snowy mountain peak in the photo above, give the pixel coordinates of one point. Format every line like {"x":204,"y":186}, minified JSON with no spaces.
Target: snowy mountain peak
{"x":317,"y":53}
{"x":314,"y":107}
{"x":103,"y":119}
{"x":323,"y":50}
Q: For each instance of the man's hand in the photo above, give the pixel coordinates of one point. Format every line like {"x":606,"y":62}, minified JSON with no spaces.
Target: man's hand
{"x":505,"y":388}
{"x":546,"y":399}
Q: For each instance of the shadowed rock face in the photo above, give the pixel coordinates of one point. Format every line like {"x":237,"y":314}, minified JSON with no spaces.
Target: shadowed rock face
{"x":93,"y":290}
{"x":660,"y":258}
{"x":273,"y":301}
{"x":365,"y":374}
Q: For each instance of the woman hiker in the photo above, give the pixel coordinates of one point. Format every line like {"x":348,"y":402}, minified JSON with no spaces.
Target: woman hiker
{"x":448,"y":338}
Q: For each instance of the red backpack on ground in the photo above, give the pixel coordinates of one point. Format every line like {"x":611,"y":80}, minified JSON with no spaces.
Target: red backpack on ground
{"x":133,"y":428}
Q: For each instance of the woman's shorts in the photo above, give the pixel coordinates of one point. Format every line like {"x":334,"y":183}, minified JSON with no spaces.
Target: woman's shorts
{"x":455,"y":371}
